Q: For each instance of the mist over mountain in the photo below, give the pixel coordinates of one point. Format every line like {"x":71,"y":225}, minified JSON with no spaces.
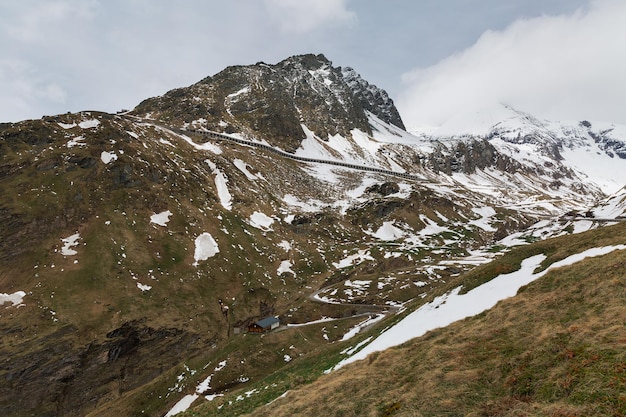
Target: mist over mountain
{"x":288,"y":190}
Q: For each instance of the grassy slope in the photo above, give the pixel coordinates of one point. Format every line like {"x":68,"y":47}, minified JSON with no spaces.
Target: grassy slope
{"x":556,"y":349}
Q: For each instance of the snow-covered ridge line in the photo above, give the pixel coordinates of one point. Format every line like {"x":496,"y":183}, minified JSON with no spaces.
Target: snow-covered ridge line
{"x":219,"y":136}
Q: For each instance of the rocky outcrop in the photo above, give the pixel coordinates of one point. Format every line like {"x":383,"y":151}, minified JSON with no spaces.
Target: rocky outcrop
{"x":67,"y":378}
{"x":372,"y":98}
{"x":467,"y":157}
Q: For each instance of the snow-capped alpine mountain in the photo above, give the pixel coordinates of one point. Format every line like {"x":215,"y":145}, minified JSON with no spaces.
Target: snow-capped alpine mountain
{"x":136,"y":248}
{"x":595,"y":150}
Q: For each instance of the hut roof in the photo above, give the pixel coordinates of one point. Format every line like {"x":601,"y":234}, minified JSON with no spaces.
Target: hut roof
{"x":267,"y":322}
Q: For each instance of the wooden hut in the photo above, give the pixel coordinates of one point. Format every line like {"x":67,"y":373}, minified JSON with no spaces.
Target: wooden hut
{"x":265,"y":325}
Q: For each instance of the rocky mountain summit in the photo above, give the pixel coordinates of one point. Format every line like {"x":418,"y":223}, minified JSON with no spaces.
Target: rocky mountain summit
{"x":270,"y":102}
{"x":124,"y":236}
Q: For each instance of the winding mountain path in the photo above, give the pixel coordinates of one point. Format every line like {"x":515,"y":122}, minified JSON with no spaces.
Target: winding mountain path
{"x":221,"y":136}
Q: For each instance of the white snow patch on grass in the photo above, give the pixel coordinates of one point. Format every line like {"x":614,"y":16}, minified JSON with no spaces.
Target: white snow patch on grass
{"x":285,"y":266}
{"x":244,"y":90}
{"x":357,"y":258}
{"x":453,"y":306}
{"x":77,"y":141}
{"x":16,"y":298}
{"x":66,"y":125}
{"x":388,"y":232}
{"x":226,"y":199}
{"x":308,"y":323}
{"x":431,"y":228}
{"x":243,"y":167}
{"x":143,"y":287}
{"x":207,"y":146}
{"x":261,"y":221}
{"x":107,"y":157}
{"x":486,"y":213}
{"x":206,"y":247}
{"x":182,"y":405}
{"x":356,"y":329}
{"x":68,"y":243}
{"x":161,"y":218}
{"x":286,"y":246}
{"x":309,"y":207}
{"x":89,"y":124}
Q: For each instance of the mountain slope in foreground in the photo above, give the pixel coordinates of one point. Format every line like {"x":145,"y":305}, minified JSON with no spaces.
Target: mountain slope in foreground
{"x":555,"y":349}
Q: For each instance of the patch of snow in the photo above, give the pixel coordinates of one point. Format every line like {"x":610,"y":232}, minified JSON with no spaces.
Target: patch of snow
{"x":182,"y":405}
{"x":161,"y":218}
{"x":486,"y":213}
{"x":308,"y":323}
{"x":206,"y":247}
{"x":388,"y":232}
{"x":361,"y":256}
{"x":285,"y":245}
{"x":89,"y":124}
{"x":77,"y":141}
{"x":68,"y":243}
{"x":285,"y":266}
{"x":207,"y":146}
{"x":143,"y":287}
{"x":222,"y":189}
{"x":287,"y":358}
{"x":244,"y":90}
{"x":107,"y":157}
{"x":356,"y":329}
{"x":309,"y":207}
{"x":431,"y":228}
{"x":15,"y":299}
{"x":243,"y":167}
{"x":605,"y":171}
{"x":67,"y":126}
{"x":261,"y":221}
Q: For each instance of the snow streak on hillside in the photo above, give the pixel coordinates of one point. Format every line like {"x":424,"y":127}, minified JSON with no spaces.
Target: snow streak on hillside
{"x":452,"y":307}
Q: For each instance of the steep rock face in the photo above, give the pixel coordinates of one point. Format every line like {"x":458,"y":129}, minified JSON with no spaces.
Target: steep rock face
{"x":372,"y":98}
{"x":467,"y":157}
{"x":271,"y":102}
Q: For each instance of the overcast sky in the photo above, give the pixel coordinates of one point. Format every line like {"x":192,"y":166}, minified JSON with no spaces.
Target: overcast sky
{"x":558,"y":59}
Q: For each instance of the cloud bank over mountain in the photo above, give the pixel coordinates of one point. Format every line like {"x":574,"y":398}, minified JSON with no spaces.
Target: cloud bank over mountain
{"x":560,"y":67}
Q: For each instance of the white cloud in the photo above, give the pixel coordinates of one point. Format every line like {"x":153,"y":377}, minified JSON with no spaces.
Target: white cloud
{"x":301,"y":16}
{"x":558,"y":67}
{"x":41,"y":19}
{"x":24,"y":88}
